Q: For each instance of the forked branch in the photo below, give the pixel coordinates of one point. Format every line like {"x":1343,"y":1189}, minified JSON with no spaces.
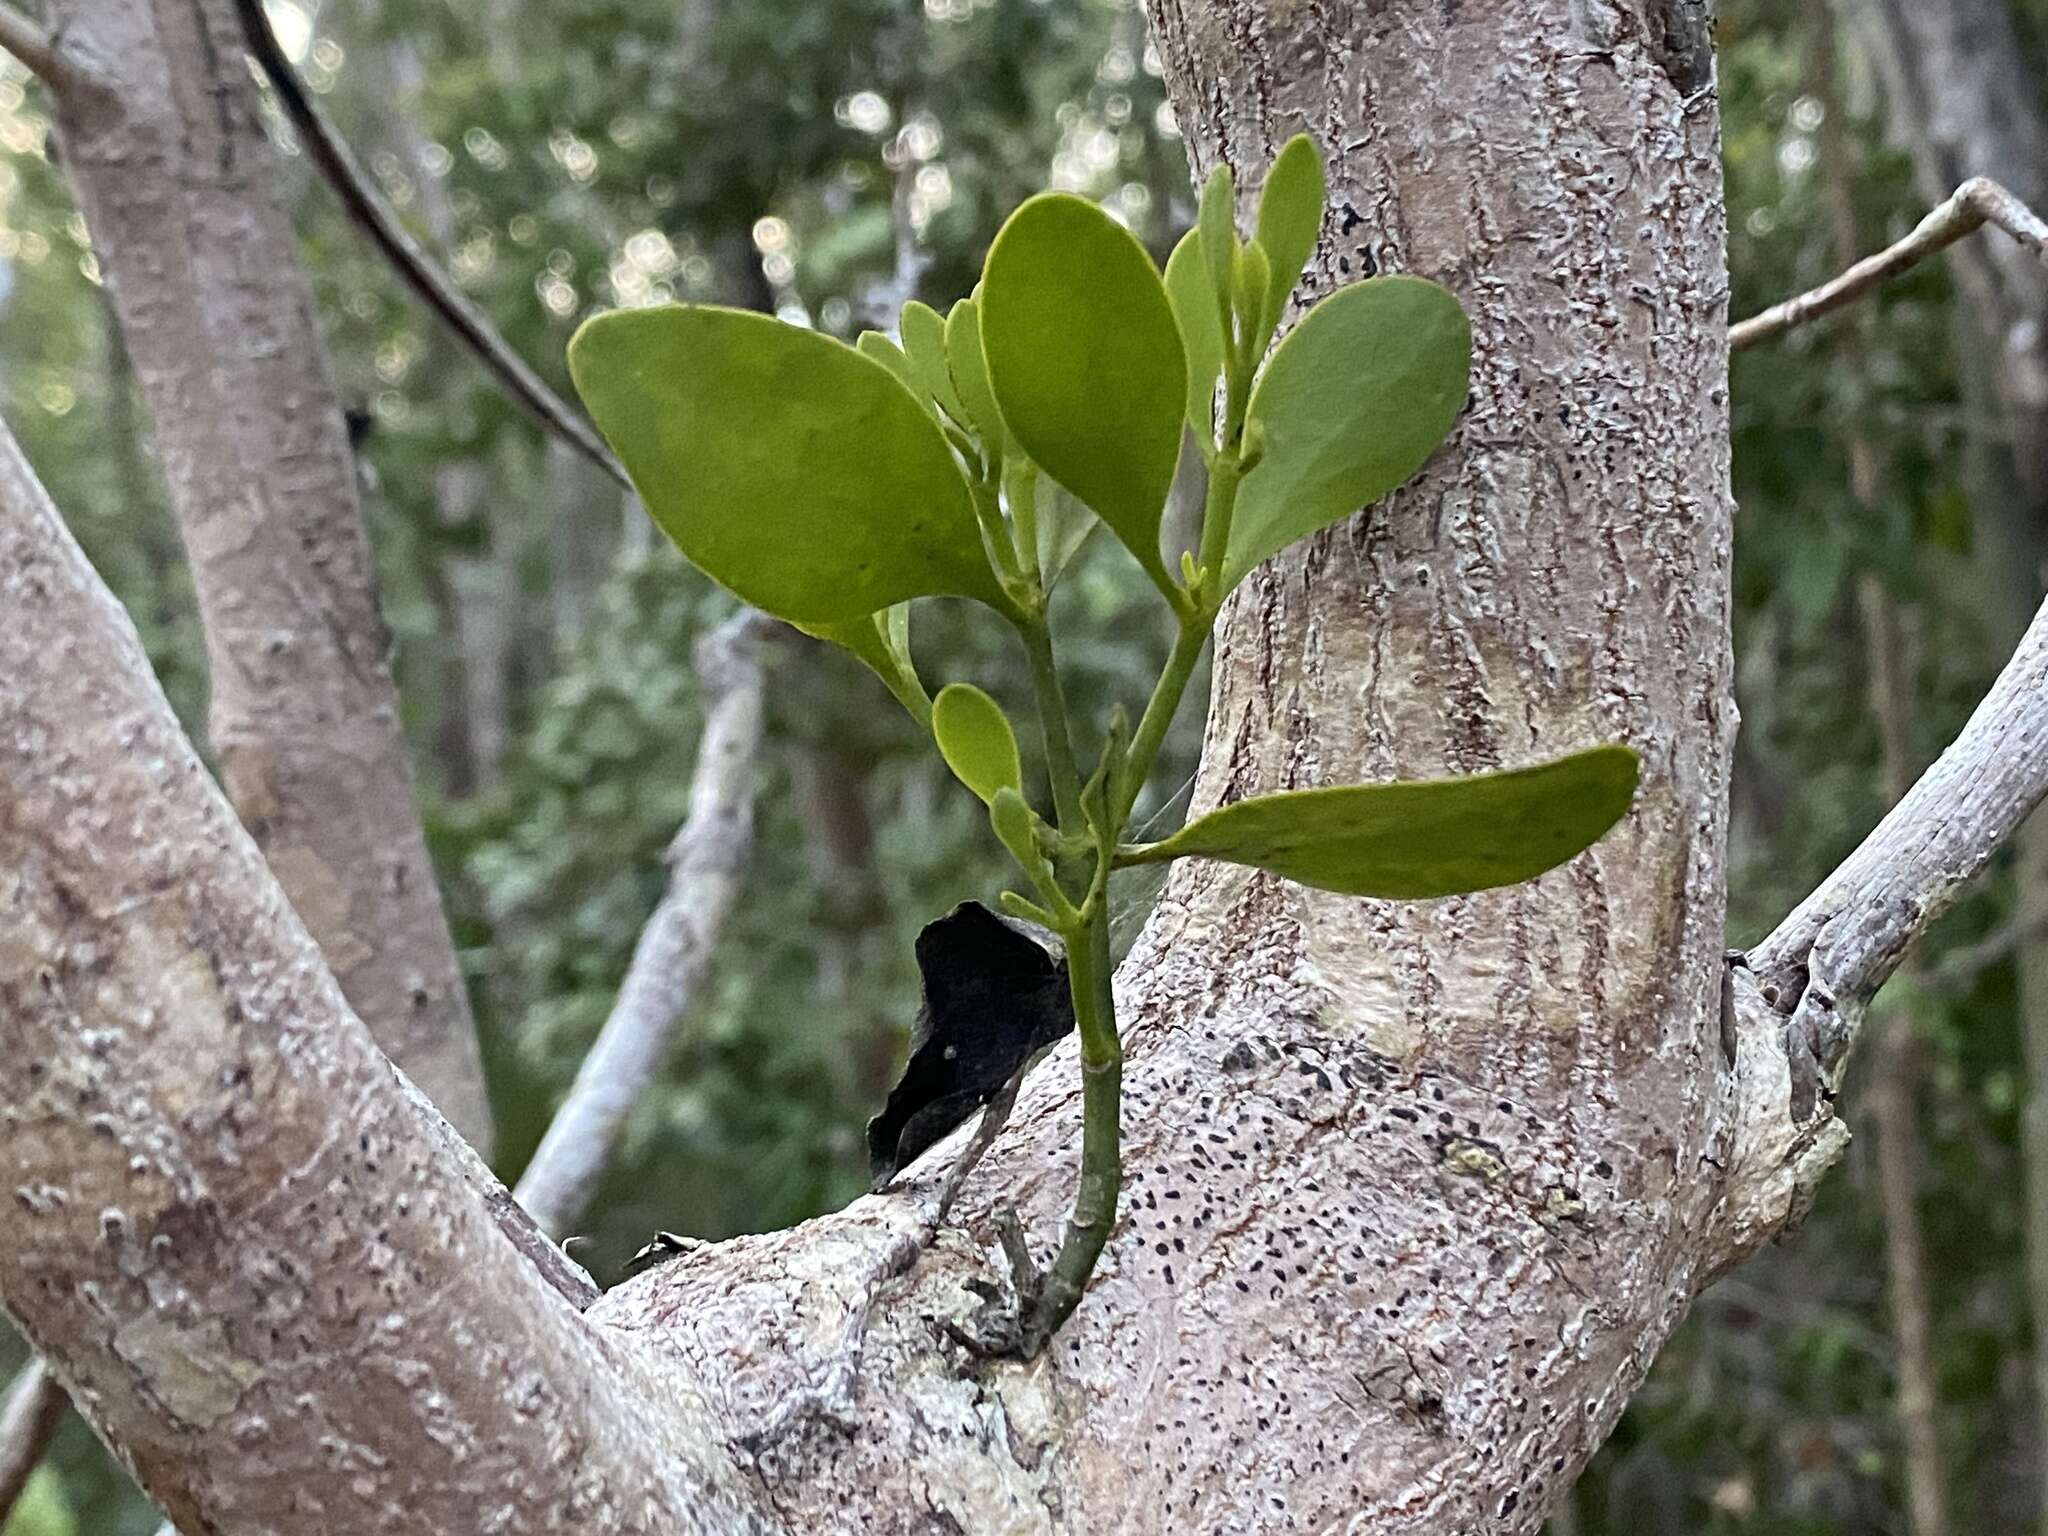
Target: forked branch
{"x":1976,"y":203}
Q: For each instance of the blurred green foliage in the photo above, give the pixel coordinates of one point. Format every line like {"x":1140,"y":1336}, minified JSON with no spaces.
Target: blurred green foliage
{"x":828,"y":159}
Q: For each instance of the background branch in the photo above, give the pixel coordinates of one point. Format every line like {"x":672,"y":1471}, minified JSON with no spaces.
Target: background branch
{"x":707,"y":861}
{"x":29,"y":1417}
{"x":432,"y":286}
{"x":29,"y":41}
{"x":1977,"y":202}
{"x":1824,"y":963}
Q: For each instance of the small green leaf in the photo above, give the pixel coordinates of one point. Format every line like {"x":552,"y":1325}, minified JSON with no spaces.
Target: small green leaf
{"x":882,"y":642}
{"x":892,"y":357}
{"x":1085,"y":360}
{"x":1016,"y":829}
{"x":1353,"y":401}
{"x":1290,"y":214}
{"x":1217,"y":222}
{"x":1201,"y":332}
{"x":788,"y":467}
{"x":924,"y":342}
{"x":969,"y":369}
{"x":976,"y":741}
{"x":1419,"y":840}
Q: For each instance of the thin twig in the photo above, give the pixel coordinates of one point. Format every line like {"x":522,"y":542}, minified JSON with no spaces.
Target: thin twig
{"x":28,"y":1422}
{"x":1825,"y":962}
{"x":1977,"y":202}
{"x":429,"y":283}
{"x":30,"y":41}
{"x":707,"y":860}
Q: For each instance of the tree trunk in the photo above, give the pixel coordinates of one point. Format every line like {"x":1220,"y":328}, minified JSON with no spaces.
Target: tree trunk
{"x":176,"y":181}
{"x":1414,"y":1192}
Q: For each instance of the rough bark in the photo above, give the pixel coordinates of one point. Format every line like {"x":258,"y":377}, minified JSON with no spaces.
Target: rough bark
{"x":254,"y":1258}
{"x":1415,"y":1192}
{"x":176,"y":180}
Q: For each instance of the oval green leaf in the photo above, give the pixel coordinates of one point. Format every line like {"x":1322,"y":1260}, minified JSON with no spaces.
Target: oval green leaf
{"x":975,"y":738}
{"x":969,"y":370}
{"x":1410,"y":842}
{"x":1085,"y":361}
{"x":892,"y":357}
{"x":924,"y":342}
{"x":1201,"y":332}
{"x":1290,"y":214}
{"x":1355,"y":398}
{"x":788,"y":467}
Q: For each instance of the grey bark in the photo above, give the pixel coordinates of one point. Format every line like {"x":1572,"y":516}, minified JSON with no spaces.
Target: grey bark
{"x":1415,"y":1192}
{"x":171,"y":167}
{"x":258,"y":1262}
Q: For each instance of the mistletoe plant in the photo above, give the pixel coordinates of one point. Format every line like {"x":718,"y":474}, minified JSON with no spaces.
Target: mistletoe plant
{"x":833,"y":485}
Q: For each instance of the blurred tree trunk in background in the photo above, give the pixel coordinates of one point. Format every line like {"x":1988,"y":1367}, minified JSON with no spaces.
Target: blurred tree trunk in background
{"x":177,"y":181}
{"x":1962,"y":101}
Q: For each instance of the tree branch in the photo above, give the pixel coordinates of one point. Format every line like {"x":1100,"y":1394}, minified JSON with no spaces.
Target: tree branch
{"x":1826,"y":961}
{"x":29,"y":41}
{"x":29,"y":1418}
{"x":433,"y":287}
{"x":1799,"y":998}
{"x":250,"y":1253}
{"x":1977,"y":202}
{"x":707,"y":861}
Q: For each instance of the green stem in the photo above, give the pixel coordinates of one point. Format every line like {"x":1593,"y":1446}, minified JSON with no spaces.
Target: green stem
{"x":1159,"y":712}
{"x":1060,"y":764}
{"x":1102,"y":1071}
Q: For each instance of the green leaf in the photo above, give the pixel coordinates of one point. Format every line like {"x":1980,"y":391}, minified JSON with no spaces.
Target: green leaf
{"x":975,"y":738}
{"x":1290,"y":214}
{"x":924,"y":342}
{"x":969,"y":370}
{"x":1353,"y":401}
{"x":882,"y":641}
{"x":1201,"y":332}
{"x":1418,"y":840}
{"x":892,"y":357}
{"x":1085,"y":360}
{"x":1217,"y":223}
{"x":784,"y":464}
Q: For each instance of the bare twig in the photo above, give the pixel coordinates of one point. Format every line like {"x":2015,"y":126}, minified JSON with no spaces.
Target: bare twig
{"x":1826,"y":961}
{"x":29,"y":41}
{"x":429,"y":283}
{"x":706,"y":860}
{"x":1977,"y":202}
{"x":29,"y":1418}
